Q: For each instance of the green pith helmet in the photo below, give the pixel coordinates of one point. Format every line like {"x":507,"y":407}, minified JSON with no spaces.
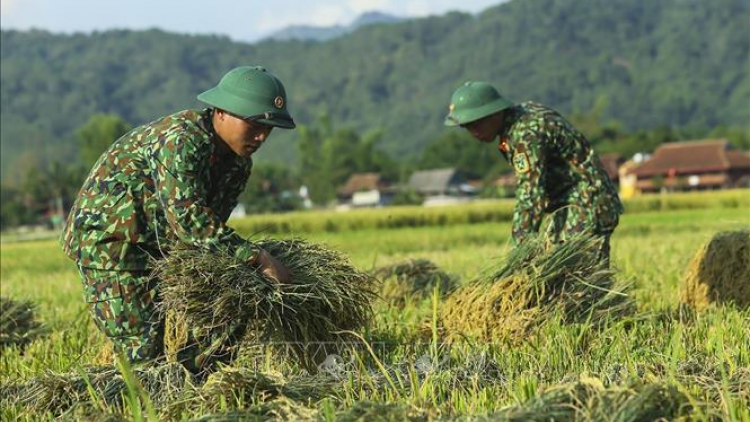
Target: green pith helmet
{"x":473,"y":101}
{"x":253,"y":93}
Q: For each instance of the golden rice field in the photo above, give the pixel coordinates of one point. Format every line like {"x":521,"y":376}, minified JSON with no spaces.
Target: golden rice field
{"x":703,"y":358}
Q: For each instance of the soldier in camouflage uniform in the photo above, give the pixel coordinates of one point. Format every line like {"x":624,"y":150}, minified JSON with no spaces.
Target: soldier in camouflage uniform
{"x":175,"y":179}
{"x":556,"y":168}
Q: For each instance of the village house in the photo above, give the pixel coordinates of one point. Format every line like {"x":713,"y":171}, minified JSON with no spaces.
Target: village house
{"x":441,"y":186}
{"x":366,"y":190}
{"x":611,"y":163}
{"x":691,"y":165}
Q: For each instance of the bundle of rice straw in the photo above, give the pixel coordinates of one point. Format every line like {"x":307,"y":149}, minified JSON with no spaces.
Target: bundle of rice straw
{"x":233,"y":388}
{"x":383,"y":412}
{"x":719,"y":272}
{"x":215,"y":291}
{"x":589,"y":400}
{"x":58,"y":393}
{"x":286,"y":410}
{"x":413,"y":279}
{"x":18,"y":325}
{"x":280,"y":409}
{"x":539,"y":281}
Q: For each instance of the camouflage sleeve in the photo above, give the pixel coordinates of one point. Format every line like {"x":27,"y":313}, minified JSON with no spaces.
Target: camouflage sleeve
{"x":529,"y":166}
{"x":178,"y":168}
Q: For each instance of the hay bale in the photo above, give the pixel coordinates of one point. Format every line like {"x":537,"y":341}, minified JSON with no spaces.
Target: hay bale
{"x":18,"y":325}
{"x":214,"y":291}
{"x":539,"y":281}
{"x":589,"y":400}
{"x":413,"y":279}
{"x":719,"y":272}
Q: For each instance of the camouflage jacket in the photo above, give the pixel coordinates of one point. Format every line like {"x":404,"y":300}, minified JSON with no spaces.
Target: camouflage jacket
{"x":163,"y":182}
{"x":556,"y":169}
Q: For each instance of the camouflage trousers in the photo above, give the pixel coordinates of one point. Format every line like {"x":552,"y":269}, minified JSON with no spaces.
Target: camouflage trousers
{"x":124,"y":306}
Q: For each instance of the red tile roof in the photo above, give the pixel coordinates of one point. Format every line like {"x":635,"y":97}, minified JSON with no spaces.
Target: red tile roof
{"x":693,"y":157}
{"x":738,"y":159}
{"x":362,"y":182}
{"x":611,"y":163}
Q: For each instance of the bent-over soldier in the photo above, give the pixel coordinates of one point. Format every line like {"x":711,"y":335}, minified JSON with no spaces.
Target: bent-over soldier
{"x":556,"y":169}
{"x":175,"y":179}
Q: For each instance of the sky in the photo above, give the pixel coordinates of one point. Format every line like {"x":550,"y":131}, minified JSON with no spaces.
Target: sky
{"x":241,"y":20}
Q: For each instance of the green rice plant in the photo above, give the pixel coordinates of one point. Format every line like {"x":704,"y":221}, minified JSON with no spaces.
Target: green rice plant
{"x":473,"y":213}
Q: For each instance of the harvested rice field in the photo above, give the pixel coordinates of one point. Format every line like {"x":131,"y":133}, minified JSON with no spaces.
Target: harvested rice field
{"x":624,"y":346}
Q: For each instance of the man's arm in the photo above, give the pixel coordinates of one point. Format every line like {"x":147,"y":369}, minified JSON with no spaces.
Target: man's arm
{"x":178,"y":168}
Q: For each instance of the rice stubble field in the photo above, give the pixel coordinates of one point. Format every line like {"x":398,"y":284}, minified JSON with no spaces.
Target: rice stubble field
{"x":664,"y":353}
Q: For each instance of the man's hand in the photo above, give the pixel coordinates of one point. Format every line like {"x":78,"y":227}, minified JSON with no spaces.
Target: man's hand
{"x":272,"y":268}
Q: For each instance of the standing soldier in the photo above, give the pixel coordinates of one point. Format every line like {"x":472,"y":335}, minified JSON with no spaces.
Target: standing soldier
{"x":556,"y":168}
{"x":175,"y":179}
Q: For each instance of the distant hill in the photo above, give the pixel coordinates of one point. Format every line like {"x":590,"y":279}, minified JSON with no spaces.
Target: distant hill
{"x":682,"y":63}
{"x":324,"y":33}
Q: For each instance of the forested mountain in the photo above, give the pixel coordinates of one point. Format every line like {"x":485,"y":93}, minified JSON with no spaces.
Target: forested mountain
{"x":324,"y":33}
{"x":645,"y":63}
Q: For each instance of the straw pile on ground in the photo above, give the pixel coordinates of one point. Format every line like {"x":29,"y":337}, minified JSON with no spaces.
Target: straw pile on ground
{"x":413,"y":279}
{"x":540,"y":281}
{"x":60,"y":393}
{"x":172,"y":390}
{"x":589,"y":400}
{"x":285,"y":410}
{"x":232,"y":394}
{"x":280,"y":409}
{"x":719,"y":272}
{"x":584,"y":400}
{"x":382,"y":412}
{"x":18,"y":325}
{"x":215,"y":291}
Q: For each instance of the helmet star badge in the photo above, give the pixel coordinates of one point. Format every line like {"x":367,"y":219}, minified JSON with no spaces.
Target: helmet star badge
{"x":278,"y":102}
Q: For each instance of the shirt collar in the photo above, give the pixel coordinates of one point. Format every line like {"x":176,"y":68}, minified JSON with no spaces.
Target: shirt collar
{"x":512,"y":115}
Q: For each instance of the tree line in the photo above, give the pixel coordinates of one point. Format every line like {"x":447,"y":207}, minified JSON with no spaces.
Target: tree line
{"x":681,"y":64}
{"x":327,"y":155}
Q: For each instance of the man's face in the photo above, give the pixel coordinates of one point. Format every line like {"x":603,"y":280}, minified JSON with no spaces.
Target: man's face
{"x":243,"y":137}
{"x":485,"y":129}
